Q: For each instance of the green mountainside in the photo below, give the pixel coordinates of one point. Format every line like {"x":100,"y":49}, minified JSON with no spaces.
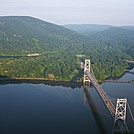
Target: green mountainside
{"x":32,"y":48}
{"x":19,"y":34}
{"x":121,"y":38}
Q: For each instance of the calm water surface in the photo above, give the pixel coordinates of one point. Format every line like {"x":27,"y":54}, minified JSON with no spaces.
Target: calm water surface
{"x":40,"y":108}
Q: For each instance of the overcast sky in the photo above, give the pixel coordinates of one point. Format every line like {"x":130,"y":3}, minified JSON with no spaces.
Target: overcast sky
{"x":113,"y":12}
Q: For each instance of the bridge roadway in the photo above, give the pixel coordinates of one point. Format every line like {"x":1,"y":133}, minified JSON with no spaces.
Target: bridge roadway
{"x":101,"y":92}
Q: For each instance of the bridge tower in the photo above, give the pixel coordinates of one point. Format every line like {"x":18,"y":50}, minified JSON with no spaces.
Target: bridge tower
{"x":86,"y":68}
{"x":120,"y":112}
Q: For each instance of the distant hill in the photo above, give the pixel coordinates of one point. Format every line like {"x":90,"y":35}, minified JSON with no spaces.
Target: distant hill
{"x":121,"y":38}
{"x":117,"y":37}
{"x":128,"y":27}
{"x":84,"y":28}
{"x":87,"y":28}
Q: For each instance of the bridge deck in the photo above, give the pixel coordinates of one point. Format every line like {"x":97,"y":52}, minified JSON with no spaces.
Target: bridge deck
{"x":101,"y":92}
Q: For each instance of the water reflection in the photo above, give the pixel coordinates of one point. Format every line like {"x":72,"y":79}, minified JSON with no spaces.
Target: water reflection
{"x":45,"y":82}
{"x":94,"y":110}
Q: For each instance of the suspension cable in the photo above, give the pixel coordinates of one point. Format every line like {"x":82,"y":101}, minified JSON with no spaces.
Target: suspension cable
{"x":130,"y":112}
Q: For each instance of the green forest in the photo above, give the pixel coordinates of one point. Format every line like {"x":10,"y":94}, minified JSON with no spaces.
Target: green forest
{"x":60,"y":50}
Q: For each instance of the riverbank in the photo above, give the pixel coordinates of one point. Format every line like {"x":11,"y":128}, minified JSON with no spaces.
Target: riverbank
{"x":30,"y":79}
{"x":36,"y":79}
{"x":118,"y":81}
{"x":108,"y":79}
{"x":23,"y":79}
{"x":48,"y":80}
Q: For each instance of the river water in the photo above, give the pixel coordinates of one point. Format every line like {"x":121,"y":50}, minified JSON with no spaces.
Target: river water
{"x":59,"y":108}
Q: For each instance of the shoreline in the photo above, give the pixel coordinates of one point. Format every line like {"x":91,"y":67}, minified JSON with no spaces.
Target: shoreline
{"x":37,"y":79}
{"x":108,"y":79}
{"x":118,"y":81}
{"x":45,"y":79}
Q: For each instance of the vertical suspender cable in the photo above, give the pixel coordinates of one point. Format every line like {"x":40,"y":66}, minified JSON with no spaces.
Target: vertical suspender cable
{"x":130,"y":112}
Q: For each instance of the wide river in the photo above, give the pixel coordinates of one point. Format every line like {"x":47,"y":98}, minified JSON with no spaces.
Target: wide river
{"x":60,"y":108}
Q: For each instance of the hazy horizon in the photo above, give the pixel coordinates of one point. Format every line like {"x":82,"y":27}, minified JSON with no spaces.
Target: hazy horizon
{"x":62,"y":12}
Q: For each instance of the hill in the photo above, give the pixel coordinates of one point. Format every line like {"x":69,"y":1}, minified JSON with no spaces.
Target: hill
{"x":121,"y":38}
{"x":23,"y":35}
{"x":33,"y":48}
{"x":128,"y":27}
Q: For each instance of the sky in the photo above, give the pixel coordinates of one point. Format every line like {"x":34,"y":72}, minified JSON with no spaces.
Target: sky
{"x":61,"y":12}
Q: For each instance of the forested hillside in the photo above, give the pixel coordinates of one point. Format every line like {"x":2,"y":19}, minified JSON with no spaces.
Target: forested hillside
{"x":118,"y":38}
{"x":23,"y":35}
{"x":32,"y":48}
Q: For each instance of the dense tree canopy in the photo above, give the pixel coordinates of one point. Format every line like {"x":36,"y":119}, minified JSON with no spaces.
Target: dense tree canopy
{"x":60,"y":50}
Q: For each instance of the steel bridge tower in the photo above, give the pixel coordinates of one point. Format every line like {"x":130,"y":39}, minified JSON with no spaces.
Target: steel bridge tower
{"x":120,"y":112}
{"x":86,"y":68}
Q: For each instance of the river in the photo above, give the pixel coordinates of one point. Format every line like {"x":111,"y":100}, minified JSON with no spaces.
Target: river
{"x":59,"y":108}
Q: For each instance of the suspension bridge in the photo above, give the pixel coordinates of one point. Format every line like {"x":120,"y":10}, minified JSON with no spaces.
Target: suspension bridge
{"x":119,"y":111}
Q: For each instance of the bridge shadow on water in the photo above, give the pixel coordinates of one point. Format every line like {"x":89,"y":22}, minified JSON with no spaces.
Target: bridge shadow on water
{"x":95,"y":112}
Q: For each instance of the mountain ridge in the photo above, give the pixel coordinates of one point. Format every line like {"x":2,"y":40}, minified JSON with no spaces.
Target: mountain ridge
{"x":25,"y":29}
{"x":120,"y":37}
{"x":83,"y":28}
